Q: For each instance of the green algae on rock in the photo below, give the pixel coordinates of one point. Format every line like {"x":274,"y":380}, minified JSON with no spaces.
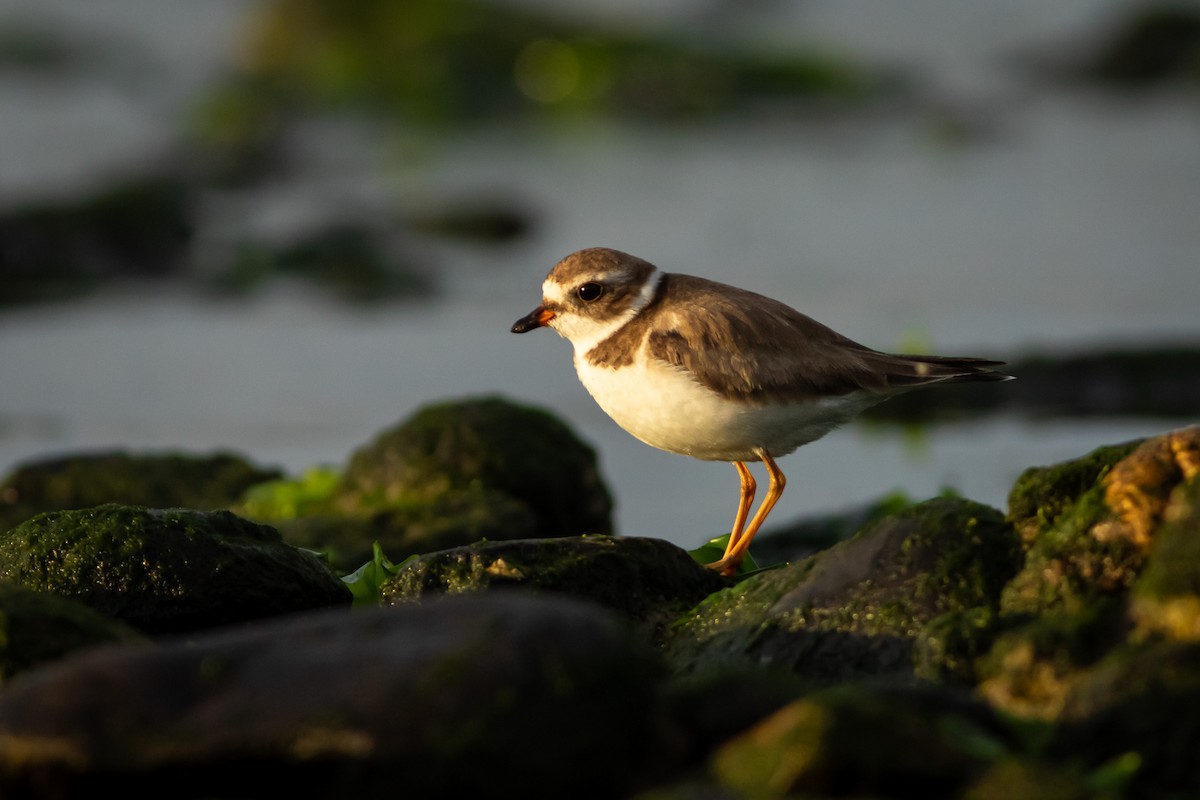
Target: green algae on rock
{"x":1166,"y":596}
{"x":484,"y":443}
{"x":863,"y":741}
{"x":649,"y":581}
{"x":453,"y":473}
{"x":865,"y":606}
{"x":167,"y":570}
{"x":38,"y":627}
{"x":1090,"y":526}
{"x":155,"y":480}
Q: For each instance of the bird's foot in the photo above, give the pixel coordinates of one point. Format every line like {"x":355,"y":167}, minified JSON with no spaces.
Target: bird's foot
{"x":726,"y":566}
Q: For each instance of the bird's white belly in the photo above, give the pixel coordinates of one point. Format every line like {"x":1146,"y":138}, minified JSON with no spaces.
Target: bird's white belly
{"x":666,"y":408}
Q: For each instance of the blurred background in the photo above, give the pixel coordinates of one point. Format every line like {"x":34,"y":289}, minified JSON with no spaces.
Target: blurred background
{"x":278,"y":227}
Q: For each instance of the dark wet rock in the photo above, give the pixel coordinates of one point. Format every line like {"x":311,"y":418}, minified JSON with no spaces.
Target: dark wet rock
{"x":867,"y":606}
{"x":1033,"y":779}
{"x":1156,"y":44}
{"x":354,"y":261}
{"x":1142,"y":701}
{"x":38,"y":627}
{"x":649,"y":581}
{"x":482,"y":219}
{"x":167,"y":570}
{"x":1161,"y":381}
{"x":169,"y":480}
{"x":137,"y":229}
{"x":35,"y":47}
{"x":499,"y":696}
{"x":1089,"y":526}
{"x":715,"y":707}
{"x":863,"y":741}
{"x":812,"y":534}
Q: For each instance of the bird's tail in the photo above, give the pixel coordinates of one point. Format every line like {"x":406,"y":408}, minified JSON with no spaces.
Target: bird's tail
{"x":904,"y":371}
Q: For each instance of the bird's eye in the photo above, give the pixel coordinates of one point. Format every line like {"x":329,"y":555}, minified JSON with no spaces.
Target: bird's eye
{"x":590,"y":292}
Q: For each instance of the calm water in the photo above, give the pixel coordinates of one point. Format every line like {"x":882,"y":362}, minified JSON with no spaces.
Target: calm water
{"x":1069,"y":224}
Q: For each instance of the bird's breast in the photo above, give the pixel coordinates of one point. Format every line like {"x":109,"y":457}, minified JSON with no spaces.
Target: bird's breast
{"x":665,"y":407}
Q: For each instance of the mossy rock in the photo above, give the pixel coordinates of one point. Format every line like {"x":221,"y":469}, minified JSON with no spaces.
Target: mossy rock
{"x":1141,"y":705}
{"x":649,"y":581}
{"x":454,"y":519}
{"x":864,"y":741}
{"x":38,"y":627}
{"x":865,"y":606}
{"x":167,"y":570}
{"x":1033,"y":663}
{"x":485,"y":444}
{"x":1166,"y":597}
{"x":1042,"y":496}
{"x":1091,"y":526}
{"x":1088,"y":522}
{"x":168,"y":480}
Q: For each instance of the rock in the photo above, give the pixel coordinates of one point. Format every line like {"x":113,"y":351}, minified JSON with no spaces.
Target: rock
{"x":1013,"y":777}
{"x":450,"y":520}
{"x":138,"y":228}
{"x":1089,"y":526}
{"x":38,"y":627}
{"x":863,"y":741}
{"x":649,"y":581}
{"x":354,"y":261}
{"x":1140,"y":706}
{"x":1157,"y":44}
{"x":483,"y":444}
{"x":817,"y":532}
{"x":452,"y":474}
{"x":479,"y":218}
{"x":1166,"y":596}
{"x":169,"y":480}
{"x":165,"y":571}
{"x":1155,"y":381}
{"x":864,"y":607}
{"x":506,"y":695}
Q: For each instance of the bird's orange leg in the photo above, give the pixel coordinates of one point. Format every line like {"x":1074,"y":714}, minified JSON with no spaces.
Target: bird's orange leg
{"x":745,"y":500}
{"x":736,"y":551}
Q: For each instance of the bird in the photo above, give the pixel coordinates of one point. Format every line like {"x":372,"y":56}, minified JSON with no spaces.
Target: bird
{"x":718,"y":373}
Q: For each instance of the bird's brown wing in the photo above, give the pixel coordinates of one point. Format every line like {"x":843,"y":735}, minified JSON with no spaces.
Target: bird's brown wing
{"x":747,"y":346}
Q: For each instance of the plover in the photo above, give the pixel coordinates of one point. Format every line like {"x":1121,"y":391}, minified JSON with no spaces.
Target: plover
{"x":707,"y":370}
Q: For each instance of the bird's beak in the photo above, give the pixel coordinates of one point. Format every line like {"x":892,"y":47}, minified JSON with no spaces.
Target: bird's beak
{"x":538,"y":318}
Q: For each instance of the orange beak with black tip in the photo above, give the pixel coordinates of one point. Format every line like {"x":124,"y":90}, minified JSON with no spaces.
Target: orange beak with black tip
{"x":538,"y":318}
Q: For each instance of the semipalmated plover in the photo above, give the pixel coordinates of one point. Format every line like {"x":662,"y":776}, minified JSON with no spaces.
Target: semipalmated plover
{"x":696,"y":367}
